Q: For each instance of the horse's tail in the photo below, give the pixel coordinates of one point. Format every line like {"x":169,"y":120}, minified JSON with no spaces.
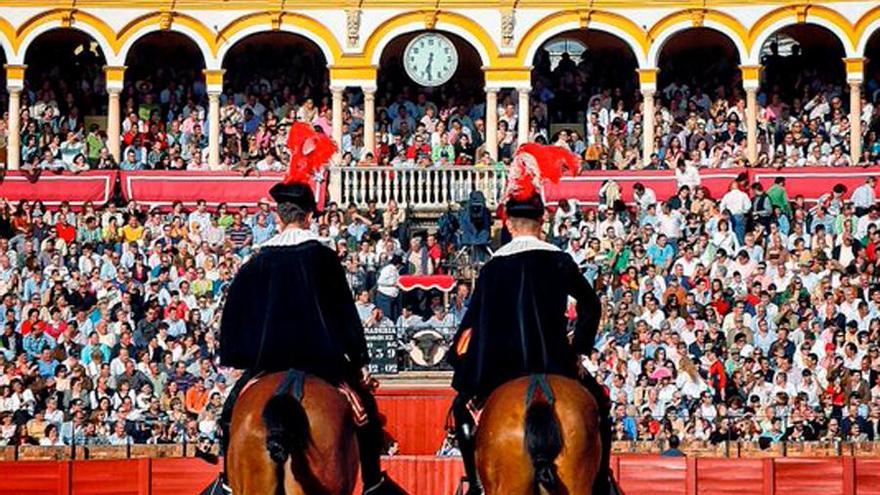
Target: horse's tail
{"x":543,"y":442}
{"x":287,"y":427}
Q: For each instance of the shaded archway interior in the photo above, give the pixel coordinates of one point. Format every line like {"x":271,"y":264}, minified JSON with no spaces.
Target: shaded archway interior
{"x":699,"y":58}
{"x":575,"y":67}
{"x":277,"y":65}
{"x":165,"y":62}
{"x":801,"y":60}
{"x":65,"y":69}
{"x":872,"y":69}
{"x":464,"y":85}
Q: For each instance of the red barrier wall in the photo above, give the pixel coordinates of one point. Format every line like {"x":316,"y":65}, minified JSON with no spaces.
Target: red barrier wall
{"x":810,"y":182}
{"x":585,"y":188}
{"x":52,"y":188}
{"x":427,"y":475}
{"x":415,"y":417}
{"x":164,"y":187}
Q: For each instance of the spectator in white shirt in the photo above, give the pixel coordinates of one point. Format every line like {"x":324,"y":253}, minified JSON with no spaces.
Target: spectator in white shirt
{"x":738,"y":204}
{"x":864,"y":196}
{"x":643,"y":196}
{"x":387,"y":291}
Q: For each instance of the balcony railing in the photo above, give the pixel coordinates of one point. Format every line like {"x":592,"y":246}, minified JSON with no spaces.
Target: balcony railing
{"x":421,"y":189}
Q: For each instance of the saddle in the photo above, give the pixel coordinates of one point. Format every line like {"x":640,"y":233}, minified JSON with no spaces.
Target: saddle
{"x":293,"y":384}
{"x":538,"y":389}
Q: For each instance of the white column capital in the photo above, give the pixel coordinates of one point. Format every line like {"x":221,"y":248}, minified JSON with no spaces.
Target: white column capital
{"x":369,"y":90}
{"x":15,"y":86}
{"x":493,"y":89}
{"x":648,"y":90}
{"x":337,"y":90}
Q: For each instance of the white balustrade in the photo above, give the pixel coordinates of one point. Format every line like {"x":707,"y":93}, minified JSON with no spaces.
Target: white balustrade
{"x":421,"y":189}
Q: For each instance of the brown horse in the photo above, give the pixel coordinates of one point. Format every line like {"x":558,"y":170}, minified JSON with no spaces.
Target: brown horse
{"x":539,"y":448}
{"x":281,"y":446}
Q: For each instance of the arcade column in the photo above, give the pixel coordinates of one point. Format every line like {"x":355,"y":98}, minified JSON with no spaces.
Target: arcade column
{"x":751,"y":78}
{"x":337,"y":113}
{"x":214,"y":84}
{"x":523,"y":119}
{"x":370,"y":119}
{"x":855,"y":74}
{"x":115,"y":80}
{"x":492,"y":122}
{"x":14,"y":83}
{"x":647,"y":85}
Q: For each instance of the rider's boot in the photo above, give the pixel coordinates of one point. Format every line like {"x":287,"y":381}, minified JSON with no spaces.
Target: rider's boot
{"x":603,"y":484}
{"x":370,"y":443}
{"x":222,"y":483}
{"x":465,"y":434}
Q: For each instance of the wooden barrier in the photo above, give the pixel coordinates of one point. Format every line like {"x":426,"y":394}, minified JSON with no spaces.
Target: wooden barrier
{"x":428,"y":475}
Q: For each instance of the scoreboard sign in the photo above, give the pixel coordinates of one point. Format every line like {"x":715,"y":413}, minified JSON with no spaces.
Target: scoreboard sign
{"x":382,"y":347}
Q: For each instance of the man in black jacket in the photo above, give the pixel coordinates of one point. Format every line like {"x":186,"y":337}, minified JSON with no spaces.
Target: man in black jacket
{"x":516,"y":325}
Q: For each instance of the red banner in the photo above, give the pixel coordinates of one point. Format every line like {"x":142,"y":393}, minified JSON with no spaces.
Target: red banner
{"x":161,"y":188}
{"x":52,"y":188}
{"x":585,"y":188}
{"x":815,"y":181}
{"x":443,"y":283}
{"x":810,"y":182}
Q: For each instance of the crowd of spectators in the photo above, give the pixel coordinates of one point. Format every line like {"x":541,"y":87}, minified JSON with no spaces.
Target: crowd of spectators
{"x":577,"y":102}
{"x":110,"y":315}
{"x":746,"y":317}
{"x":700,"y":111}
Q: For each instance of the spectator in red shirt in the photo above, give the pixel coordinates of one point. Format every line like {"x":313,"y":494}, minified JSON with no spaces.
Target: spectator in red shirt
{"x":64,"y":230}
{"x":717,"y":376}
{"x":33,"y":321}
{"x":418,"y":150}
{"x":435,"y":253}
{"x":57,"y":326}
{"x":177,"y":306}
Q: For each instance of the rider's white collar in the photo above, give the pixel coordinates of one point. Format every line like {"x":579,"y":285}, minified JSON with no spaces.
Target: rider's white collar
{"x":291,"y":237}
{"x":524,"y":243}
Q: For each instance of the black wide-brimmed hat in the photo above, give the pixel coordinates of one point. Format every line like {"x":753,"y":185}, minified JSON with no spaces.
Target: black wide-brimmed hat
{"x":297,"y":193}
{"x":531,"y":208}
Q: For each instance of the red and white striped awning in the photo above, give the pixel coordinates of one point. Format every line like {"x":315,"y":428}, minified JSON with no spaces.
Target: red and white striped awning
{"x":443,"y":283}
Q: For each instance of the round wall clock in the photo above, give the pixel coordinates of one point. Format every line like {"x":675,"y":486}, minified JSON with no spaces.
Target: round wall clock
{"x":430,"y":59}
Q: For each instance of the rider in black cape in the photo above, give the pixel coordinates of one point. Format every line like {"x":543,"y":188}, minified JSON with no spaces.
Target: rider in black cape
{"x":516,"y":322}
{"x":290,"y":307}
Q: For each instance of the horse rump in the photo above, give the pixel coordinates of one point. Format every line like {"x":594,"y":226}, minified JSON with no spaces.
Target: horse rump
{"x":287,"y":427}
{"x":543,"y":438}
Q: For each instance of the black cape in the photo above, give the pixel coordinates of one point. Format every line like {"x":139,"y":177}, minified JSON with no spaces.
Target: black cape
{"x":290,"y":307}
{"x":518,"y":319}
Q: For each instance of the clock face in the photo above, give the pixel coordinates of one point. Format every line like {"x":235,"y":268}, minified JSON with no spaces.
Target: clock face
{"x":430,"y":59}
